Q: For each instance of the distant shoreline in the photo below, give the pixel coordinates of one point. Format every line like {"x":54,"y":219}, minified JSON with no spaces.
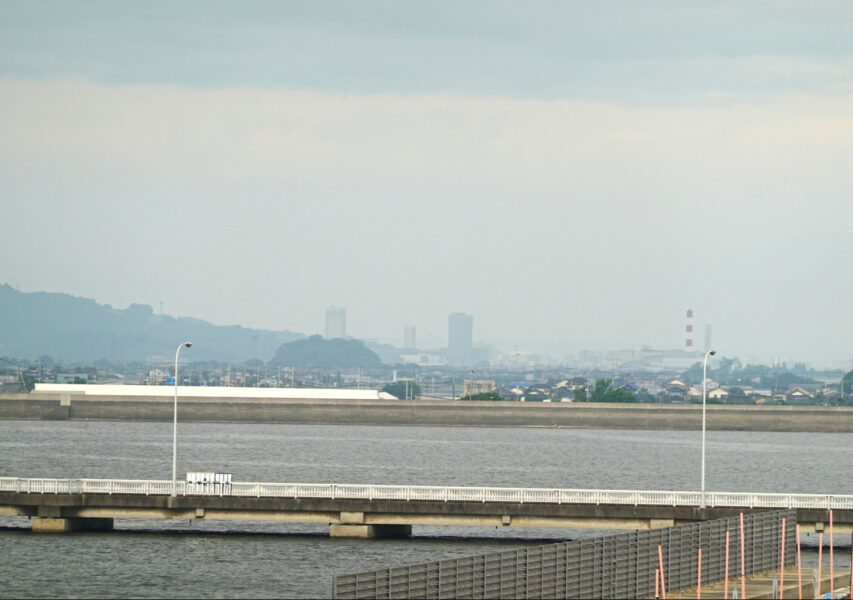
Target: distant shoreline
{"x":443,"y":413}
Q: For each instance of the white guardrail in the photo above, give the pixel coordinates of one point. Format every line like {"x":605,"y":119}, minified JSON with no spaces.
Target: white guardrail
{"x":430,"y":493}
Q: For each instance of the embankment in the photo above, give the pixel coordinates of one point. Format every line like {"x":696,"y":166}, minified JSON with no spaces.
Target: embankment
{"x":42,"y":406}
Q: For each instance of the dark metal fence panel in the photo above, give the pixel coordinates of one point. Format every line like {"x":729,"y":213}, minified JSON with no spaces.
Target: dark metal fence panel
{"x":614,"y":566}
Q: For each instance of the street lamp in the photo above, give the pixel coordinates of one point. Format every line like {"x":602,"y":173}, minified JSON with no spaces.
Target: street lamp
{"x":175,"y":430}
{"x":704,"y":396}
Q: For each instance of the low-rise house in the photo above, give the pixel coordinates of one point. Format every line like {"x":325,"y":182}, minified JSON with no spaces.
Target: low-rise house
{"x":694,"y":393}
{"x":533,"y":394}
{"x":511,"y":393}
{"x":798,"y":395}
{"x":710,"y":384}
{"x":540,"y":388}
{"x":576,"y":383}
{"x":675,"y":391}
{"x":718,"y":394}
{"x":562,"y":394}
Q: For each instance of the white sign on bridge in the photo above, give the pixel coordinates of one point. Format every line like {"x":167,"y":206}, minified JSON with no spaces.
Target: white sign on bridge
{"x":205,"y":483}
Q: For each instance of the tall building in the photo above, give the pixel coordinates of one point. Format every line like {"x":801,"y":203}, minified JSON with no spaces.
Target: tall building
{"x":336,"y":322}
{"x":460,"y":334}
{"x":409,"y":340}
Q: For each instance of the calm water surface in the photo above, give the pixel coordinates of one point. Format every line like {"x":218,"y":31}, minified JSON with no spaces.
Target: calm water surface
{"x":244,"y":559}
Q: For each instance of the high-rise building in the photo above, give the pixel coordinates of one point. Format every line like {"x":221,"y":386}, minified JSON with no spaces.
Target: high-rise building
{"x":409,"y":340}
{"x":460,"y":334}
{"x":336,"y":322}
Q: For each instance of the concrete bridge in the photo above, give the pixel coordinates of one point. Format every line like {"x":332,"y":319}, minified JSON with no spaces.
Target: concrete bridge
{"x":390,"y":511}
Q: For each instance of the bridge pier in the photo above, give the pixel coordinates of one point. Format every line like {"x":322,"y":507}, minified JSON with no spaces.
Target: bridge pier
{"x":65,"y":525}
{"x":345,"y":530}
{"x":352,"y":525}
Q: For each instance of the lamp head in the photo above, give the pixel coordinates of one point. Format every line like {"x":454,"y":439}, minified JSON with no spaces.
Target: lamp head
{"x":188,"y":344}
{"x":712,"y":352}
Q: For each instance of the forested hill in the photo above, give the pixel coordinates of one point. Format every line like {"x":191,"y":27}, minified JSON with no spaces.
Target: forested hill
{"x":66,"y":327}
{"x":318,"y":352}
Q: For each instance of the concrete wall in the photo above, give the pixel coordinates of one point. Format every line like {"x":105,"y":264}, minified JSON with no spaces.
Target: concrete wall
{"x":42,"y":406}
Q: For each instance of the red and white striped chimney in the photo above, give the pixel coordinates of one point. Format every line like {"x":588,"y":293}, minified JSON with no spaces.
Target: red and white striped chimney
{"x":688,"y":331}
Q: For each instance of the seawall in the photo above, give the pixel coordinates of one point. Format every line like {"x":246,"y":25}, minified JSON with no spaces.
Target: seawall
{"x":42,"y":406}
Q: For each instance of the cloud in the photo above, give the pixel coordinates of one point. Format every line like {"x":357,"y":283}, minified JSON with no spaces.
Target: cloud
{"x":650,"y":53}
{"x":81,"y":128}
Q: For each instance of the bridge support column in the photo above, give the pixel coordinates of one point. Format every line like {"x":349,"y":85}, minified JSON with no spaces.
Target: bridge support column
{"x":345,"y":530}
{"x":64,"y":525}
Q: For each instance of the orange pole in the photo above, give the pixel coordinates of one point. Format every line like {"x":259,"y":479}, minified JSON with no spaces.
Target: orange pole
{"x":831,"y":560}
{"x":726,"y":586}
{"x":657,"y":583}
{"x":819,"y":562}
{"x":782,"y":565}
{"x":851,"y":563}
{"x":662,"y":578}
{"x":699,"y":577}
{"x":742,"y":560}
{"x":799,"y":566}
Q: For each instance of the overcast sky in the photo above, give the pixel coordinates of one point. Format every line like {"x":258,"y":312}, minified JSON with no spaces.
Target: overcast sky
{"x":573,"y":175}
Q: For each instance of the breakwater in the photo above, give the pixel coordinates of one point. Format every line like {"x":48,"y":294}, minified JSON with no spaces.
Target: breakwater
{"x":63,"y":406}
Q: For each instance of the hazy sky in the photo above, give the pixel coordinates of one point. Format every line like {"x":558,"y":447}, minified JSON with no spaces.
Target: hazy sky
{"x":575,"y":175}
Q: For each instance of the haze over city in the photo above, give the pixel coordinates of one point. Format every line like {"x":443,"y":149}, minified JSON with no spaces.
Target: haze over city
{"x":573,"y":176}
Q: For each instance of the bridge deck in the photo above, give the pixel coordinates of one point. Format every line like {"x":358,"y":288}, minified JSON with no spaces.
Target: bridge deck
{"x":376,"y":506}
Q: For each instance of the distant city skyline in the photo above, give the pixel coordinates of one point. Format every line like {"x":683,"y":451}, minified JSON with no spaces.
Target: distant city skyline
{"x":457,"y":348}
{"x":573,"y":175}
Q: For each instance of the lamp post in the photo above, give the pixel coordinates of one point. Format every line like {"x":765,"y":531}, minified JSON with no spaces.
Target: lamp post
{"x":704,"y":396}
{"x":175,"y":429}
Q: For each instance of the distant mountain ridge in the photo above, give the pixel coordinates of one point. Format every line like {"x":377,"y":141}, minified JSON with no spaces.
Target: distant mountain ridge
{"x":67,"y":327}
